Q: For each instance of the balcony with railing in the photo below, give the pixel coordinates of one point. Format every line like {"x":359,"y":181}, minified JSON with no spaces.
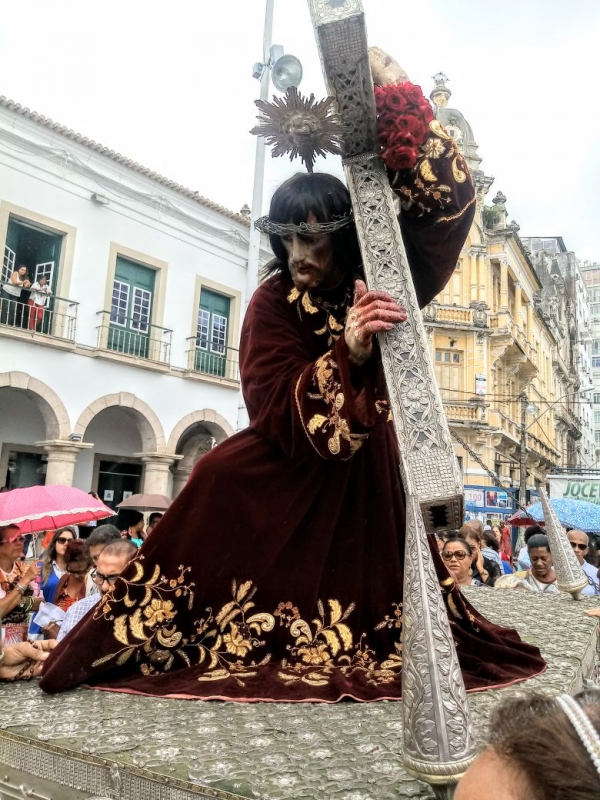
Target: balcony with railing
{"x":206,"y":358}
{"x":456,"y":316}
{"x":57,"y":319}
{"x":133,"y":336}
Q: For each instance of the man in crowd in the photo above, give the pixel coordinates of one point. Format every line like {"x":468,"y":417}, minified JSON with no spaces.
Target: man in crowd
{"x":580,"y":543}
{"x":97,"y":541}
{"x":153,"y":521}
{"x":111,"y":562}
{"x":541,"y":577}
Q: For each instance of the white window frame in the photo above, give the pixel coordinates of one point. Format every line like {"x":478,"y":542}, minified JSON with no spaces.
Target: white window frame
{"x":221,"y":347}
{"x":48,"y":274}
{"x":8,"y":264}
{"x":141,"y":296}
{"x":202,"y":325}
{"x":117,"y":315}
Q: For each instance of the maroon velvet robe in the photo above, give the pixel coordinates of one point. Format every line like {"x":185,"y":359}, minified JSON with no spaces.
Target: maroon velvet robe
{"x":277,"y":573}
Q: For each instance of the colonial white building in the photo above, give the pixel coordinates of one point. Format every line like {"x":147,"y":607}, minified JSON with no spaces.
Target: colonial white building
{"x":130,"y":373}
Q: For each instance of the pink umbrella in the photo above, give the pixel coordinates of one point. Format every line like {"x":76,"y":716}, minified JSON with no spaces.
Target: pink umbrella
{"x":42,"y":508}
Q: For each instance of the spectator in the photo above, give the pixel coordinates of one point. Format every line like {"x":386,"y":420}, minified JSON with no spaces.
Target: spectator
{"x":38,"y":301}
{"x":54,"y":562}
{"x":541,"y":748}
{"x":71,"y":586}
{"x":457,"y":555}
{"x":111,"y":562}
{"x":541,"y":576}
{"x":580,"y":543}
{"x":490,"y":548}
{"x":23,"y":661}
{"x":19,"y":592}
{"x":153,"y":520}
{"x":503,"y":539}
{"x":96,"y":542}
{"x":482,"y":569}
{"x":14,"y":294}
{"x":476,"y":524}
{"x":523,"y":557}
{"x":134,"y":529}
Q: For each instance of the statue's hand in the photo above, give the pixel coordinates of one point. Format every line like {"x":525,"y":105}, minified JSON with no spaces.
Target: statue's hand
{"x":371,"y":313}
{"x":384,"y":68}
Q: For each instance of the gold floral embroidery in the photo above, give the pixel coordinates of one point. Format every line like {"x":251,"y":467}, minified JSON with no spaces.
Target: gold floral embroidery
{"x":439,"y":130}
{"x":426,"y":171}
{"x":225,"y":643}
{"x":148,"y":626}
{"x":293,"y":295}
{"x":433,"y":147}
{"x":333,"y":425}
{"x":459,"y":175}
{"x":307,"y":305}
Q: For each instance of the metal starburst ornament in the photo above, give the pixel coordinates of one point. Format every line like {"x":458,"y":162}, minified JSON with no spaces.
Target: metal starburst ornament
{"x":297,"y":125}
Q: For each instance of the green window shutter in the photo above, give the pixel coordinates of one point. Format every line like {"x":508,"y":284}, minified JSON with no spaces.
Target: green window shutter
{"x":212,"y":333}
{"x":131,"y":308}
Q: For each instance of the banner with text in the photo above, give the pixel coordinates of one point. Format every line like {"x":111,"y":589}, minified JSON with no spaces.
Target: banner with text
{"x":575,"y":487}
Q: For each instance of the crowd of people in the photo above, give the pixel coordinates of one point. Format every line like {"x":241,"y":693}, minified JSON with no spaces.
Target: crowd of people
{"x":23,"y":302}
{"x":479,"y":555}
{"x":66,"y":575}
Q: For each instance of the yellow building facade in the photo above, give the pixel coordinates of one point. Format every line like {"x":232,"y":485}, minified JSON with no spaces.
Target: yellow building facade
{"x":499,"y":341}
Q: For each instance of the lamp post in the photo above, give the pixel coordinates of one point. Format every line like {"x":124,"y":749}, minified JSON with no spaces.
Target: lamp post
{"x":526,"y":408}
{"x":286,"y":71}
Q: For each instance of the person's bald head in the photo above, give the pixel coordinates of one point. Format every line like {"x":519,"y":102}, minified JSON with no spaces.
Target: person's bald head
{"x":580,"y":542}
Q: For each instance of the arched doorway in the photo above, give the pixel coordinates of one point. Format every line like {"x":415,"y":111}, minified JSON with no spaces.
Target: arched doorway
{"x":120,"y":434}
{"x":30,"y":413}
{"x":193,"y":437}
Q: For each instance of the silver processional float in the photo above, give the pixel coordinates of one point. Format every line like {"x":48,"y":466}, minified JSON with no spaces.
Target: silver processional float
{"x":438,"y":736}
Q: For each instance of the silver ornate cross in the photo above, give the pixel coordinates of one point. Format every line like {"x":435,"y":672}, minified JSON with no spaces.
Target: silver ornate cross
{"x":438,"y":738}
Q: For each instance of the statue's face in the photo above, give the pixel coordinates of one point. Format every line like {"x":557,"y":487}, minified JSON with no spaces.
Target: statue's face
{"x":440,"y":99}
{"x":310,"y":259}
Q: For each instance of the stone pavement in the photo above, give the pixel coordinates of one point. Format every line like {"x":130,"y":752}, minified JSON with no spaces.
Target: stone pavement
{"x":109,"y":745}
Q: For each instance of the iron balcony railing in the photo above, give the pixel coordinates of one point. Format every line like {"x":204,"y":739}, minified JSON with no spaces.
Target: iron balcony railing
{"x":131,"y":336}
{"x":57,"y":319}
{"x":209,"y":359}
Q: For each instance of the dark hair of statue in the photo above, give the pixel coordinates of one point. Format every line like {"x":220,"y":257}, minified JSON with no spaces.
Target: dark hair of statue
{"x":327,"y":198}
{"x":535,"y":737}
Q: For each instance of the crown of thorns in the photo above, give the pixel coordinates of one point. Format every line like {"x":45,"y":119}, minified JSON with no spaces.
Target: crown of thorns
{"x":265,"y":225}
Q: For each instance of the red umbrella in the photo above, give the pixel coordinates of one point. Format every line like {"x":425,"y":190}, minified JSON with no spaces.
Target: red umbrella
{"x":41,"y":508}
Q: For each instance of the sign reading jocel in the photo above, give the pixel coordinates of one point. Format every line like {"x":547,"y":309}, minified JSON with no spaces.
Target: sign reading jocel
{"x":575,"y":487}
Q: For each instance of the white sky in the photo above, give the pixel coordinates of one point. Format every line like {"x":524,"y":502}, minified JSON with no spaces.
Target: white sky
{"x":169,"y":85}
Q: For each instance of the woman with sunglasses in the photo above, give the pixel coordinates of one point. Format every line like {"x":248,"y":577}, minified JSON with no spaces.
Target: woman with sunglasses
{"x":19,"y":592}
{"x":54,"y":563}
{"x":71,"y":586}
{"x":458,"y":556}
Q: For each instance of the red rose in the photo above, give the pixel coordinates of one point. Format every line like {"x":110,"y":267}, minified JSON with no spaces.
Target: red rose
{"x":386,"y":122}
{"x":400,"y":157}
{"x":413,"y":93}
{"x":399,"y":139}
{"x":396,"y":101}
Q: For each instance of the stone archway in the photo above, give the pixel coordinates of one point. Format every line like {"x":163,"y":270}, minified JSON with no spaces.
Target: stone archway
{"x":150,"y":428}
{"x":49,"y":404}
{"x":213,"y":422}
{"x":193,"y":437}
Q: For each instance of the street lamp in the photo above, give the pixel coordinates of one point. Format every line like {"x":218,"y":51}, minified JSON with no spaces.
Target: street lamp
{"x":526,"y":408}
{"x":286,"y":71}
